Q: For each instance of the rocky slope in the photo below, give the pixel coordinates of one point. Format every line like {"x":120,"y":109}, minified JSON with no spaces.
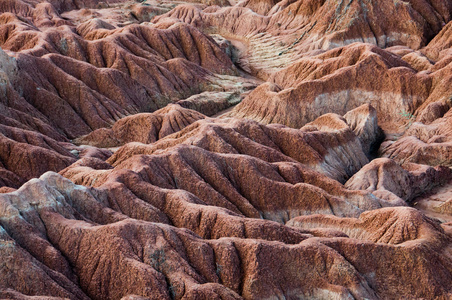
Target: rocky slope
{"x":225,"y":150}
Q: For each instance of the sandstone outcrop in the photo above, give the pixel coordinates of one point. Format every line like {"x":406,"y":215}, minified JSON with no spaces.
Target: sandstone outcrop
{"x":327,"y":145}
{"x":338,"y":81}
{"x":388,"y":180}
{"x":220,"y":149}
{"x":132,"y":236}
{"x":424,"y":142}
{"x":393,"y":233}
{"x":79,"y":81}
{"x":63,"y":78}
{"x":144,"y":128}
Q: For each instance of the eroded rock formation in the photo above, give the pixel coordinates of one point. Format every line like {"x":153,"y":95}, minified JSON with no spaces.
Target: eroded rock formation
{"x":225,"y":150}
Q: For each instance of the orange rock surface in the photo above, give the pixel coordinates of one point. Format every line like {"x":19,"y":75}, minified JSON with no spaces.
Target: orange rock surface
{"x":221,"y":149}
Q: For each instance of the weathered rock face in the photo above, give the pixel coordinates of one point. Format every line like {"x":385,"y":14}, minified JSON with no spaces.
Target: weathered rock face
{"x":225,"y":150}
{"x":388,"y":180}
{"x":305,"y":50}
{"x":424,"y":143}
{"x":364,"y":123}
{"x":327,"y":24}
{"x":123,"y":227}
{"x":395,"y":233}
{"x":28,"y":154}
{"x":327,"y":145}
{"x":80,"y":83}
{"x":338,"y":81}
{"x":77,"y":79}
{"x":144,"y":128}
{"x":439,"y":47}
{"x":277,"y":34}
{"x":64,"y":76}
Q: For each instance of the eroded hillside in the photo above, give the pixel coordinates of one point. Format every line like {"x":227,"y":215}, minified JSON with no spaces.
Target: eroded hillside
{"x":225,"y":150}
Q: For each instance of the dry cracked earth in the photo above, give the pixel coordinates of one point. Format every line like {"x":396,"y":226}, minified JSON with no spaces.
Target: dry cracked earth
{"x":221,"y":149}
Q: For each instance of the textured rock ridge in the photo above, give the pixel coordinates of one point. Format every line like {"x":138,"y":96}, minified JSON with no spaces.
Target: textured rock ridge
{"x":220,"y":149}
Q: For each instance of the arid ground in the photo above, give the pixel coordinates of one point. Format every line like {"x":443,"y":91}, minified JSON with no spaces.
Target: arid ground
{"x":223,"y":149}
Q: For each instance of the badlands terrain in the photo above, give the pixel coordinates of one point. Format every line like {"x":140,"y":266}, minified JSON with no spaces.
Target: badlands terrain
{"x":222,"y":149}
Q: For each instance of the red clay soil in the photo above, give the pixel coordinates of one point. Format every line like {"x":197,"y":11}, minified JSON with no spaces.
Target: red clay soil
{"x":225,"y":149}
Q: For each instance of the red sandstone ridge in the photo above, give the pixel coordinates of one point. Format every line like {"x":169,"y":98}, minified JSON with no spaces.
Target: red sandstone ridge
{"x":288,"y":46}
{"x":279,"y":35}
{"x":328,"y":144}
{"x":220,"y":149}
{"x":127,"y":220}
{"x":62,"y":79}
{"x":144,"y":128}
{"x":343,"y":77}
{"x":388,"y":180}
{"x":91,"y":84}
